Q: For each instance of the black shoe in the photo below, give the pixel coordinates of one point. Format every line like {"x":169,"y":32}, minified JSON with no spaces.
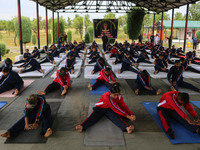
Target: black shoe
{"x":170,"y":132}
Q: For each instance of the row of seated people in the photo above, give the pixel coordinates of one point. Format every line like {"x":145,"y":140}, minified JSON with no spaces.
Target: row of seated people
{"x":111,"y":105}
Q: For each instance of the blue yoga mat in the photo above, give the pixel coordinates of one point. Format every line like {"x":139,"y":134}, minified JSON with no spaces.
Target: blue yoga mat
{"x":182,"y":135}
{"x":2,"y":104}
{"x":196,"y":103}
{"x":100,"y":90}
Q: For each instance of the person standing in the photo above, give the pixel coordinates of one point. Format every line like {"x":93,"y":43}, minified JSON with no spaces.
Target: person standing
{"x":140,"y":38}
{"x":195,"y":42}
{"x":105,"y":41}
{"x":156,"y":39}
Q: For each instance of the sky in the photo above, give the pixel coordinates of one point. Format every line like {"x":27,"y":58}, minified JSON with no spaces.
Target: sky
{"x":8,"y":10}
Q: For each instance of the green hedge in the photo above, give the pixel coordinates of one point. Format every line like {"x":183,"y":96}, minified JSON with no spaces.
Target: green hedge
{"x":198,"y":34}
{"x":90,"y":31}
{"x":87,"y":37}
{"x":34,"y":39}
{"x":111,"y":41}
{"x":69,"y":36}
{"x":3,"y":49}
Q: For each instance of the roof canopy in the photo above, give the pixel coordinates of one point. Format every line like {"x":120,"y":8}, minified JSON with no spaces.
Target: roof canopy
{"x":181,"y":24}
{"x":151,"y":5}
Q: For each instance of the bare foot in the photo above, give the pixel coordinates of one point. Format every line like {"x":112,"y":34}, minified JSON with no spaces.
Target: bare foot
{"x":113,"y":62}
{"x":136,"y":92}
{"x":16,"y":92}
{"x":156,"y":72}
{"x":72,"y":71}
{"x":41,"y":92}
{"x":48,"y":133}
{"x":64,"y":92}
{"x":79,"y":128}
{"x":20,"y":71}
{"x":92,"y":72}
{"x":54,"y":62}
{"x":130,"y":129}
{"x":119,"y":71}
{"x":90,"y":87}
{"x":139,"y":70}
{"x":158,"y":92}
{"x":6,"y":135}
{"x":82,"y":56}
{"x":87,"y":62}
{"x":41,"y":71}
{"x":172,"y":88}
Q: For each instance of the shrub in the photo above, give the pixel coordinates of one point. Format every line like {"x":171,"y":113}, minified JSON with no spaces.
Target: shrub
{"x":34,"y":39}
{"x":69,"y":36}
{"x":3,"y":49}
{"x":90,"y":31}
{"x":87,"y":37}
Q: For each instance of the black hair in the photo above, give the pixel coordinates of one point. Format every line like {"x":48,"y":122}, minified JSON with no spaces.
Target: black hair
{"x":8,"y":61}
{"x":115,"y":89}
{"x":6,"y":69}
{"x":184,"y":97}
{"x":145,"y":73}
{"x":27,"y":49}
{"x":116,"y":84}
{"x":161,"y":54}
{"x":107,"y":68}
{"x":101,"y":59}
{"x":182,"y":59}
{"x":177,"y":61}
{"x":35,"y":47}
{"x":127,"y":53}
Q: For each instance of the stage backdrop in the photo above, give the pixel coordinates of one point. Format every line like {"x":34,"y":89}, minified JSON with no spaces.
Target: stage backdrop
{"x":107,"y":26}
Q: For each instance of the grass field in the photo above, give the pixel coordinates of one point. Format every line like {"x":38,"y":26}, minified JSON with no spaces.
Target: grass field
{"x":15,"y":50}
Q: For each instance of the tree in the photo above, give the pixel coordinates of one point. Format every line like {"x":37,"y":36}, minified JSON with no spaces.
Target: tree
{"x":122,"y":20}
{"x":26,"y":29}
{"x":69,"y":36}
{"x":10,"y":26}
{"x":90,"y":31}
{"x":34,"y":39}
{"x":62,"y":23}
{"x":109,"y":16}
{"x":87,"y":37}
{"x":178,"y":16}
{"x":34,"y":24}
{"x":198,"y":34}
{"x":78,"y":23}
{"x":49,"y":38}
{"x":69,"y":22}
{"x":3,"y":25}
{"x":159,"y":17}
{"x":0,"y":36}
{"x":194,"y":11}
{"x":134,"y":22}
{"x":125,"y":30}
{"x":148,"y":20}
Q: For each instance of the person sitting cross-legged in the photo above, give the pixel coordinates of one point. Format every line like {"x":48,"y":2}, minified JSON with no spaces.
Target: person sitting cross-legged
{"x":169,"y":108}
{"x":36,"y":110}
{"x":113,"y":107}
{"x":143,"y":83}
{"x":62,"y":82}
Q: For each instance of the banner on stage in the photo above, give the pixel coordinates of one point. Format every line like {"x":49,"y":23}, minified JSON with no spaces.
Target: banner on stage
{"x":107,"y":26}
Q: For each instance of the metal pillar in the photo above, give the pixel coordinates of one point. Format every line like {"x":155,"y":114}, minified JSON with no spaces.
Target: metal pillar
{"x":186,"y":25}
{"x":20,"y":27}
{"x":47,"y":26}
{"x":154,"y":17}
{"x":161,"y":34}
{"x":53,"y":26}
{"x":58,"y":23}
{"x":38,"y":25}
{"x":172,"y":25}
